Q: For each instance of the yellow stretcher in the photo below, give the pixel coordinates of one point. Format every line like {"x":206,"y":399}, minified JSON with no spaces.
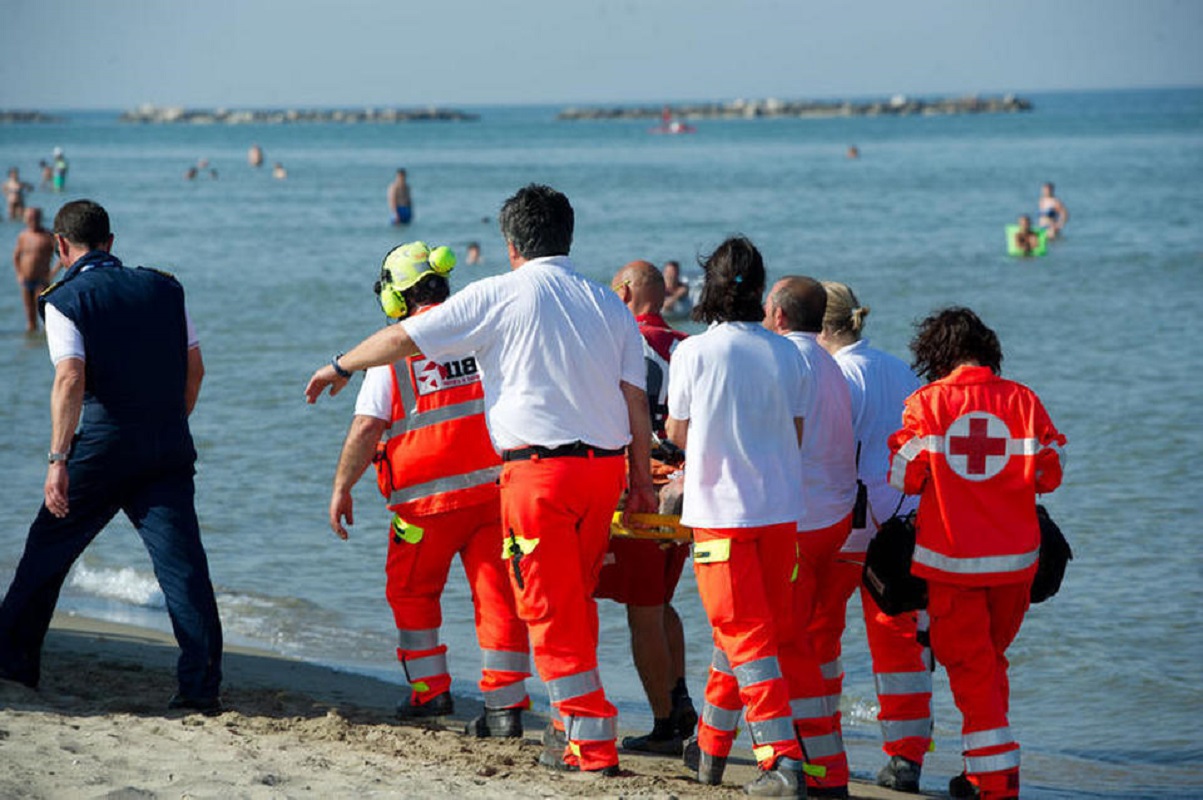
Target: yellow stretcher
{"x":662,"y":527}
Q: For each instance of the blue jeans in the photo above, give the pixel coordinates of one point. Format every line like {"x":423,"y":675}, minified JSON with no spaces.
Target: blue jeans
{"x":148,"y":475}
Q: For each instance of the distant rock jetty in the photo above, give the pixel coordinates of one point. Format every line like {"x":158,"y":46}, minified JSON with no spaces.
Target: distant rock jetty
{"x":897,"y":106}
{"x":148,"y":114}
{"x":17,"y":117}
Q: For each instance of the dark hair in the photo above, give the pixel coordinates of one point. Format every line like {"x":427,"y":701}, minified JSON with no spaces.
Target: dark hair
{"x":950,"y":337}
{"x":733,"y":285}
{"x":538,"y":221}
{"x":83,"y":222}
{"x":430,"y":289}
{"x":803,"y":300}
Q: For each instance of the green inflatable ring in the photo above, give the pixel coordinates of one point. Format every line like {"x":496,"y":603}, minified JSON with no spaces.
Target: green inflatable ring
{"x":1014,"y":249}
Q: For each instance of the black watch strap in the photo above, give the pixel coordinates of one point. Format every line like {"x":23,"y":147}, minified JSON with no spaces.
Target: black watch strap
{"x":338,"y":370}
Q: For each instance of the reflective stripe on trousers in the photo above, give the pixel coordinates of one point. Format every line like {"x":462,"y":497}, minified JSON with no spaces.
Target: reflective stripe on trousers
{"x":903,"y":682}
{"x":757,"y":671}
{"x":571,"y":686}
{"x":980,"y":740}
{"x":766,"y":731}
{"x":591,"y":729}
{"x":506,"y":696}
{"x":826,"y":746}
{"x":417,"y":669}
{"x":894,"y":730}
{"x":814,"y":707}
{"x":506,"y":661}
{"x":427,"y":639}
{"x":722,"y":719}
{"x":999,"y":762}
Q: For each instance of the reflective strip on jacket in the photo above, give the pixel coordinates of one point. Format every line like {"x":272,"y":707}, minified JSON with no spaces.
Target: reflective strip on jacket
{"x":977,"y":448}
{"x":438,"y":456}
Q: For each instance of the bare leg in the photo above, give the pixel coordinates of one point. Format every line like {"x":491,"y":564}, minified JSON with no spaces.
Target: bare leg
{"x":653,"y":656}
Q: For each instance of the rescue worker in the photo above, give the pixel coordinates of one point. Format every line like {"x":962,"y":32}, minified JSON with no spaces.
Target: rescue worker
{"x":127,"y":374}
{"x":811,"y":660}
{"x":439,"y":473}
{"x":563,"y":373}
{"x":735,"y":400}
{"x":879,"y":384}
{"x":642,"y":574}
{"x":977,"y":449}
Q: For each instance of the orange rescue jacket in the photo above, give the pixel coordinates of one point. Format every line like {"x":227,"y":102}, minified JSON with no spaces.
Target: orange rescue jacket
{"x":438,"y":456}
{"x":978,"y":449}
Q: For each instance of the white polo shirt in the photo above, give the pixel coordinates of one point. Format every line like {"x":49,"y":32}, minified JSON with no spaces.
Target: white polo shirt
{"x":740,"y":387}
{"x":552,"y":348}
{"x":879,"y":384}
{"x":828,"y":446}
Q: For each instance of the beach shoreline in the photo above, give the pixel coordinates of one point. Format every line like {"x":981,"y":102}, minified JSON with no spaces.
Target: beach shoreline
{"x":98,"y":726}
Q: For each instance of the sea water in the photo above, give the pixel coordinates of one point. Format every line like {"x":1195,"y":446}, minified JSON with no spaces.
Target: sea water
{"x":1106,"y":677}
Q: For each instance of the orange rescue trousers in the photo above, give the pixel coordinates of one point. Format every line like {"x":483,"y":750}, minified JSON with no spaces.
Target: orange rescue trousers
{"x":971,"y":628}
{"x":419,"y":559}
{"x":744,"y":579}
{"x":556,"y":516}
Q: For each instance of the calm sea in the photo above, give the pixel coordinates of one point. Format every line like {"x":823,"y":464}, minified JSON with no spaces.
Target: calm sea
{"x":1107,"y":682}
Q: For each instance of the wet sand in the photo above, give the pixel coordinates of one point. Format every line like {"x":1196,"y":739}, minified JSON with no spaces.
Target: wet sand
{"x":98,"y":727}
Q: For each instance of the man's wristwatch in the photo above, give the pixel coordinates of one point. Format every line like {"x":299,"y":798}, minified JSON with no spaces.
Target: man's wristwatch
{"x":54,"y":458}
{"x":338,"y":370}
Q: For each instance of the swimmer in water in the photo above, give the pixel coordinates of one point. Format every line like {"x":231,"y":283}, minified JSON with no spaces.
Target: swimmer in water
{"x":1053,"y":213}
{"x":1026,"y":239}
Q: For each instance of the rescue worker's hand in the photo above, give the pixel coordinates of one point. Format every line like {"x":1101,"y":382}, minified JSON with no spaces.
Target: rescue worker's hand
{"x":56,"y":489}
{"x":641,"y":499}
{"x":326,"y":376}
{"x":341,"y":507}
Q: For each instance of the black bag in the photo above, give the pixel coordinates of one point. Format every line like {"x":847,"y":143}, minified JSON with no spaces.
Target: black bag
{"x":887,"y":575}
{"x":1055,"y":555}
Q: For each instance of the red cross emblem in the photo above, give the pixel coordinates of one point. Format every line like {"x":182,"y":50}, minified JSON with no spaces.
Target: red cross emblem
{"x":977,"y":446}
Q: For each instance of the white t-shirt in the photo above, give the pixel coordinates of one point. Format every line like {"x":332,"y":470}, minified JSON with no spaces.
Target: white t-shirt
{"x":65,"y":341}
{"x":375,"y":398}
{"x":828,"y":446}
{"x":552,"y":348}
{"x":740,"y":387}
{"x":879,"y":384}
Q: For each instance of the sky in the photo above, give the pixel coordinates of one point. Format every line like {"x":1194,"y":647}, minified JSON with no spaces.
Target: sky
{"x":117,"y":54}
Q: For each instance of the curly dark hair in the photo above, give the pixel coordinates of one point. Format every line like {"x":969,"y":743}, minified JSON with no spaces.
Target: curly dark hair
{"x":538,"y":221}
{"x":428,"y":291}
{"x":734,"y":284}
{"x":951,"y":337}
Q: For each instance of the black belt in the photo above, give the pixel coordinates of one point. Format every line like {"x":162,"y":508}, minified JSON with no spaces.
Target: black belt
{"x":571,"y":450}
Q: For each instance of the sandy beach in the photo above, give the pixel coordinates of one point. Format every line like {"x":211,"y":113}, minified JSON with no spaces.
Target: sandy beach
{"x":98,"y":727}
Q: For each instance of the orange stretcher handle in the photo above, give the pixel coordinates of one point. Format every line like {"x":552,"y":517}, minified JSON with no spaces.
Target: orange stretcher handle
{"x":664,"y":527}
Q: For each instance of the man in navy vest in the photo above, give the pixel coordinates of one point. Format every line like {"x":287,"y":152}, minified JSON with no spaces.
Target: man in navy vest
{"x":127,"y":372}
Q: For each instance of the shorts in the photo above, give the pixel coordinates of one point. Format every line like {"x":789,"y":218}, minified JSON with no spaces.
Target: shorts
{"x":34,"y":285}
{"x":641,"y":572}
{"x":404,"y":214}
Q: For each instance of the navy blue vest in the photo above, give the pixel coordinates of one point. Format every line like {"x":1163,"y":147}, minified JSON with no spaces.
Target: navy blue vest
{"x":135,"y":341}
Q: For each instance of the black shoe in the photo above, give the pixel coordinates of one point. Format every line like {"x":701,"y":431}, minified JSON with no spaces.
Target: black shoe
{"x":505,"y":723}
{"x":961,"y":789}
{"x":783,"y":780}
{"x":556,"y":763}
{"x":900,"y":774}
{"x":441,"y":705}
{"x":672,"y":746}
{"x":209,"y":706}
{"x":830,"y":792}
{"x":685,"y":719}
{"x":709,"y":769}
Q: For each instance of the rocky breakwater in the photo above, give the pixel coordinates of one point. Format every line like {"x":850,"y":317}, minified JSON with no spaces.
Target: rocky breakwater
{"x":149,"y":114}
{"x":19,"y":117}
{"x":897,"y":106}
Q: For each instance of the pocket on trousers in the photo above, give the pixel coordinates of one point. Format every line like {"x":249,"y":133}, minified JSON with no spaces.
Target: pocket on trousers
{"x":712,"y":566}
